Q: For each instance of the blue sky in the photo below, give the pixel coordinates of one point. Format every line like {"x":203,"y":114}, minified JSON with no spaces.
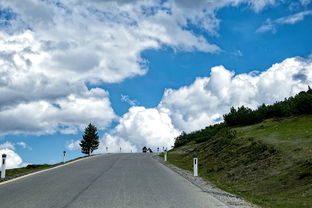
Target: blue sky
{"x":141,"y":71}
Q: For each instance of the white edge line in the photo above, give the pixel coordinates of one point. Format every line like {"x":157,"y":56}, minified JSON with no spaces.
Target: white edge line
{"x":41,"y":171}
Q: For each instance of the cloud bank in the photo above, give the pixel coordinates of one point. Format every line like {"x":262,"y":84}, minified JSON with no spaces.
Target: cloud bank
{"x":54,"y":52}
{"x":205,"y":101}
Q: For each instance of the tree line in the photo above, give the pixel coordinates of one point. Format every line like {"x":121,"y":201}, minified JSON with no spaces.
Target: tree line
{"x":293,"y":106}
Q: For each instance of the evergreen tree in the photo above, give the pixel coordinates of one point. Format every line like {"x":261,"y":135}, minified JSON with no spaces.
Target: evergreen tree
{"x":90,"y":140}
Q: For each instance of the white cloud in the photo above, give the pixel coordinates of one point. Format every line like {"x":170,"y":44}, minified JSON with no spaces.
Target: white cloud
{"x":207,"y":99}
{"x":268,"y":26}
{"x":141,"y":127}
{"x":13,"y":159}
{"x":202,"y":13}
{"x":127,"y":99}
{"x":7,"y":145}
{"x":67,"y":114}
{"x":114,"y":143}
{"x":291,"y":19}
{"x":204,"y":102}
{"x":73,"y":145}
{"x":52,"y":50}
{"x":22,"y":144}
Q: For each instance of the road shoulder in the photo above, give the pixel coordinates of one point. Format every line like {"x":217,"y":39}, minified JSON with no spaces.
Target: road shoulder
{"x":230,"y":200}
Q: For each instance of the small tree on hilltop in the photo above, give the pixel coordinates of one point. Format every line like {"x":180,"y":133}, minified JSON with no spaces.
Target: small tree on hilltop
{"x":90,"y":140}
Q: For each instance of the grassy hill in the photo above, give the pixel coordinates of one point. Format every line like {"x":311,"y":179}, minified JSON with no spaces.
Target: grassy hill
{"x":269,"y":163}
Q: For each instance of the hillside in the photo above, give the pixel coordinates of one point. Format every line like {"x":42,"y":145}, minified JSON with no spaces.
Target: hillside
{"x":269,"y":163}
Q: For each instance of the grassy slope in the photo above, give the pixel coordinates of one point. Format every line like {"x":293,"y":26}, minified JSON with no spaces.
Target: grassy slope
{"x":269,"y":164}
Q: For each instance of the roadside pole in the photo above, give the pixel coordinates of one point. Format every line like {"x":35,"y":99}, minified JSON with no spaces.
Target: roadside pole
{"x":64,"y":156}
{"x":195,"y":164}
{"x":106,"y":149}
{"x":165,"y":156}
{"x":3,"y":165}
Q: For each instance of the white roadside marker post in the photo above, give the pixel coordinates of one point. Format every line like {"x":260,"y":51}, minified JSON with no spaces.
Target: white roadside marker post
{"x":64,"y":156}
{"x":165,"y":156}
{"x":195,"y":164}
{"x":3,"y":165}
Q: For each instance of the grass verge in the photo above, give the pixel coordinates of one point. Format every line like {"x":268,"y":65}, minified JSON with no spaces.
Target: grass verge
{"x":269,"y":164}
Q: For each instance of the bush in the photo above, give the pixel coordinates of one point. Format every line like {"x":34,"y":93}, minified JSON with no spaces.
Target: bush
{"x":199,"y":136}
{"x":298,"y":105}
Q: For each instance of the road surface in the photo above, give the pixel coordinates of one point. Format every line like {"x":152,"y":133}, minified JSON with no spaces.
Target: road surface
{"x":112,"y":181}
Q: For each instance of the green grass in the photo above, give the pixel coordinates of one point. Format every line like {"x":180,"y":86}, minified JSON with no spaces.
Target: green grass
{"x":28,"y":169}
{"x":269,"y":164}
{"x":17,"y":172}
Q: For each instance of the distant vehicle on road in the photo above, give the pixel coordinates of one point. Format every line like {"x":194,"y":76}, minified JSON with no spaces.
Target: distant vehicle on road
{"x":144,"y":149}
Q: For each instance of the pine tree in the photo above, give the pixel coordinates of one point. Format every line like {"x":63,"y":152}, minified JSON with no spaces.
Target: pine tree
{"x":90,"y":140}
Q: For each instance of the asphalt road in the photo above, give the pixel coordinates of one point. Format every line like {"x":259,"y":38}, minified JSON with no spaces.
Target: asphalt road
{"x":113,"y":180}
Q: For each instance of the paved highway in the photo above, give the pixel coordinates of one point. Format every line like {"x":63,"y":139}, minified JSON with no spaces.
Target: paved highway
{"x":112,"y":181}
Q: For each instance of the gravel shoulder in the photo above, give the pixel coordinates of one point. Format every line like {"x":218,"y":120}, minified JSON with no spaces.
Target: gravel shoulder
{"x":230,"y":200}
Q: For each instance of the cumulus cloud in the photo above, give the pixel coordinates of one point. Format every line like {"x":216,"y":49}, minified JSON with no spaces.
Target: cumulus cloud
{"x":204,"y":102}
{"x":141,"y":127}
{"x":116,"y":144}
{"x":68,"y":114}
{"x":208,"y":98}
{"x":13,"y":159}
{"x":51,"y":51}
{"x":73,"y":145}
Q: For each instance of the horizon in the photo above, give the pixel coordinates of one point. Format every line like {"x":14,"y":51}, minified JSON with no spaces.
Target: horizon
{"x":141,"y":71}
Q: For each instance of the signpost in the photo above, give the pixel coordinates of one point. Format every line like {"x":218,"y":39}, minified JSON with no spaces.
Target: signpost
{"x":3,"y":165}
